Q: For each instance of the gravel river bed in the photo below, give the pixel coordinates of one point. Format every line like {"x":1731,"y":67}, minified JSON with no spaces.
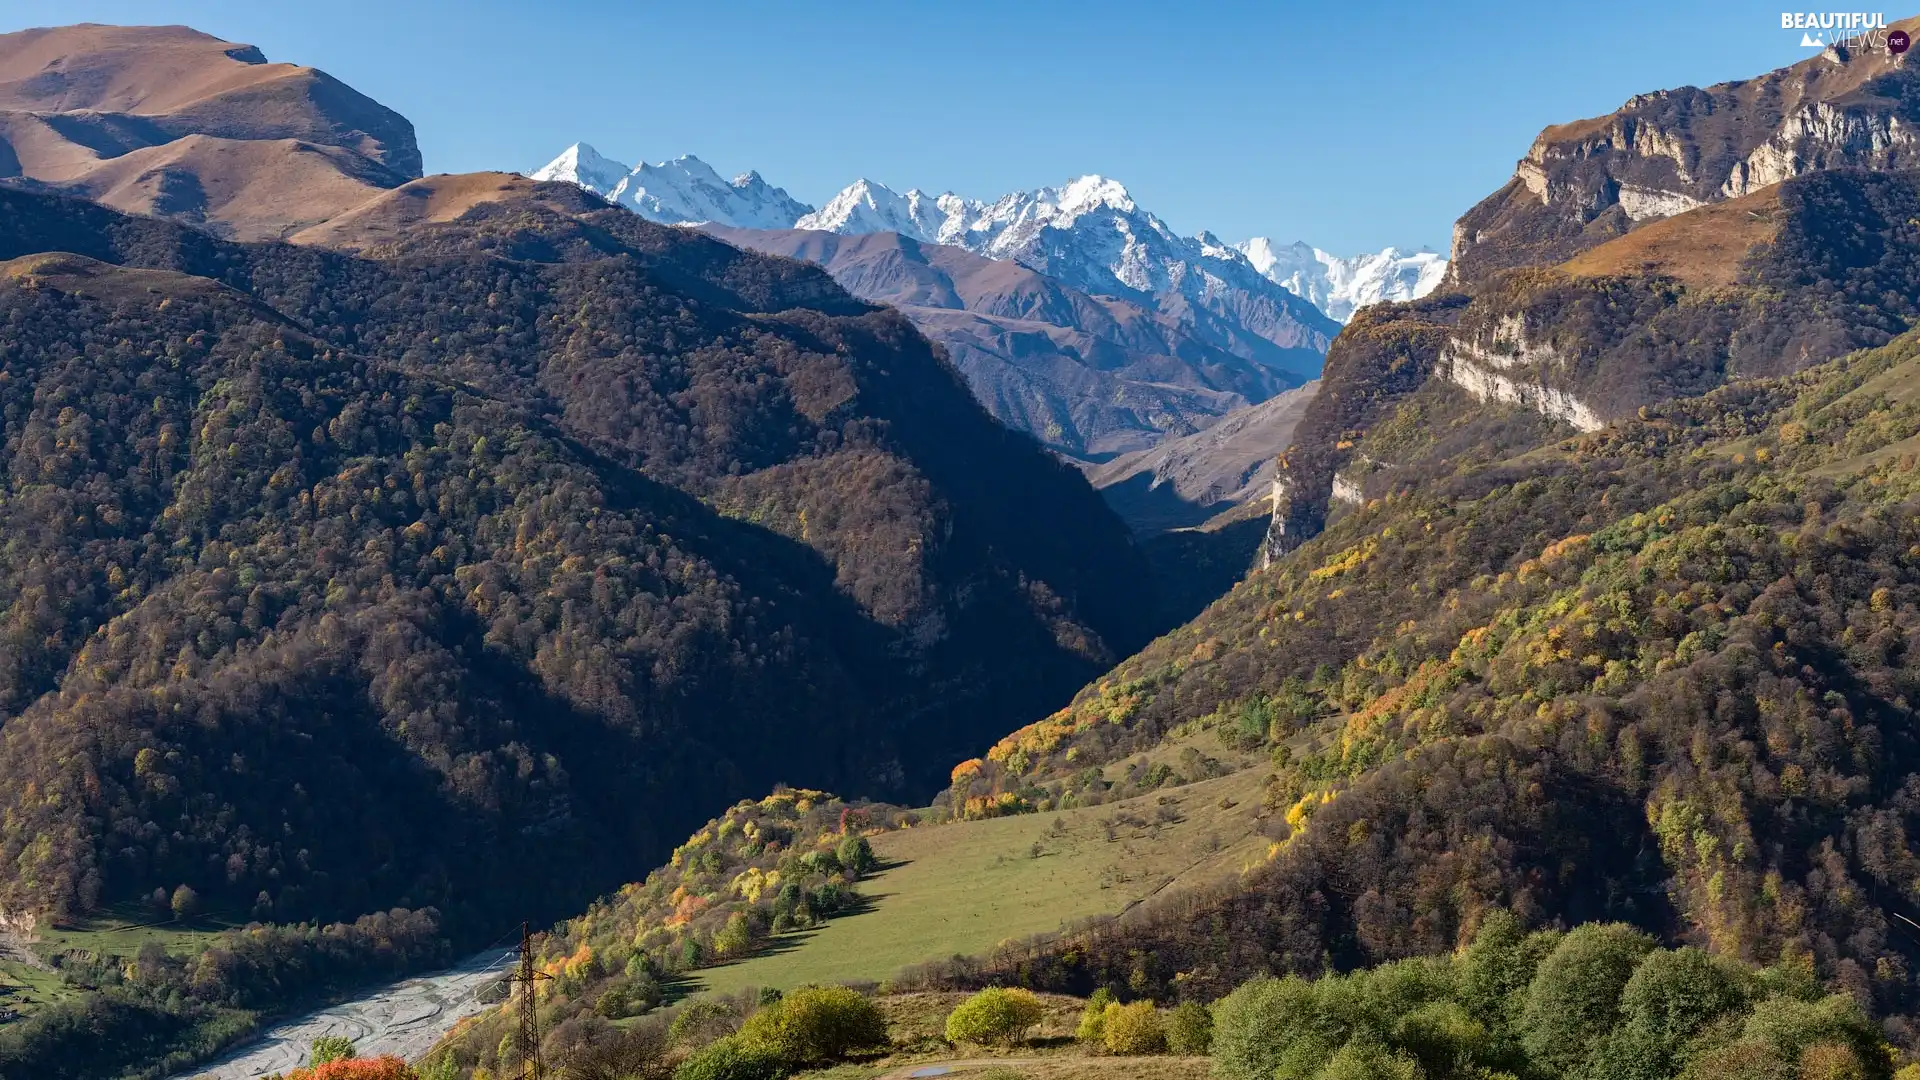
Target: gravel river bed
{"x":404,"y":1019}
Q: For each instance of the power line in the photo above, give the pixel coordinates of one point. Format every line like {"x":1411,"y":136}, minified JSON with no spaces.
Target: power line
{"x":527,"y":976}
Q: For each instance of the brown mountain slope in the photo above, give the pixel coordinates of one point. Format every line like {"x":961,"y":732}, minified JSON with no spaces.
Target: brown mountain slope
{"x":441,"y":198}
{"x":1091,"y":376}
{"x":172,"y":122}
{"x":1184,"y":482}
{"x":242,"y":187}
{"x":1584,"y":183}
{"x":1703,"y":247}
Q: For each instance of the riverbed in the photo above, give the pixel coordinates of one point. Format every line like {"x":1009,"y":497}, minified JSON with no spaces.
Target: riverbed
{"x":404,"y":1019}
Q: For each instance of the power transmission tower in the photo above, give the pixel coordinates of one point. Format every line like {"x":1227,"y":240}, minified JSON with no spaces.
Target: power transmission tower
{"x":526,"y":976}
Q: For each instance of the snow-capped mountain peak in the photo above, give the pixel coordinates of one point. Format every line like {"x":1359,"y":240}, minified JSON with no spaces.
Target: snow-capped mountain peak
{"x":1215,"y":248}
{"x":866,"y":206}
{"x":1341,"y":286}
{"x":1093,"y":192}
{"x":583,"y":165}
{"x":1088,"y":232}
{"x":683,"y":191}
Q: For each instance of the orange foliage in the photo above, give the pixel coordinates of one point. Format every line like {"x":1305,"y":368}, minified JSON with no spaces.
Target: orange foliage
{"x":688,"y":907}
{"x":1041,"y":737}
{"x":380,"y":1068}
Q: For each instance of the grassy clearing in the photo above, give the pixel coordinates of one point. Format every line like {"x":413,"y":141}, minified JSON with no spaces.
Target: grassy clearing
{"x":963,"y":888}
{"x":122,"y":931}
{"x":25,"y":989}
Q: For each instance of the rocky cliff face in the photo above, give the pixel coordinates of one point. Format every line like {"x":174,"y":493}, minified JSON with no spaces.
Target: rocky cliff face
{"x":1763,"y":285}
{"x":1508,"y":367}
{"x":1584,"y":183}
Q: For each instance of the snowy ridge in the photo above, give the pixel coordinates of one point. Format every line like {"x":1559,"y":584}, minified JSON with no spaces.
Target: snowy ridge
{"x":867,"y":207}
{"x":1088,"y":233}
{"x":1340,"y":286}
{"x":683,"y":191}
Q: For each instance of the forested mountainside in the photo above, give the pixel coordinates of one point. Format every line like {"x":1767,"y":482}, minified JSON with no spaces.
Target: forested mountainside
{"x":1584,"y":183}
{"x":474,"y":571}
{"x":1588,"y":596}
{"x":1658,"y":672}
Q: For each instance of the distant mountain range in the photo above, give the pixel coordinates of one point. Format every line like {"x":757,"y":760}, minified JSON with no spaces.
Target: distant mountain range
{"x":1339,"y":287}
{"x":1087,"y":232}
{"x":1091,"y":376}
{"x":1117,"y":332}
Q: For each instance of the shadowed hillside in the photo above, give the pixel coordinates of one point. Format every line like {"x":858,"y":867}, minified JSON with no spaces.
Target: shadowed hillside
{"x":351,"y":582}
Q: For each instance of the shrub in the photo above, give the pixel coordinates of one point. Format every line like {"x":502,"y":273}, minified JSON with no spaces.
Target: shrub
{"x":1190,"y":1030}
{"x":1360,"y":1060}
{"x":994,"y":1015}
{"x":703,"y":1020}
{"x":329,"y":1048}
{"x":1574,"y":998}
{"x":1748,"y":1059}
{"x":626,"y":997}
{"x":1792,"y":1027}
{"x":1440,"y":1034}
{"x":1674,"y":992}
{"x":815,"y":1025}
{"x":1134,"y":1029}
{"x":1094,"y":1018}
{"x":856,"y":855}
{"x":1258,"y":1024}
{"x":733,"y":1058}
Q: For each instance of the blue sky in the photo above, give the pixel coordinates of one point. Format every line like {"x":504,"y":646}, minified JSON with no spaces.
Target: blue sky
{"x":1349,"y":125}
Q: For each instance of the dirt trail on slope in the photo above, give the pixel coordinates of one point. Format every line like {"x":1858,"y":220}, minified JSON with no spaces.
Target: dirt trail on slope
{"x":404,"y":1019}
